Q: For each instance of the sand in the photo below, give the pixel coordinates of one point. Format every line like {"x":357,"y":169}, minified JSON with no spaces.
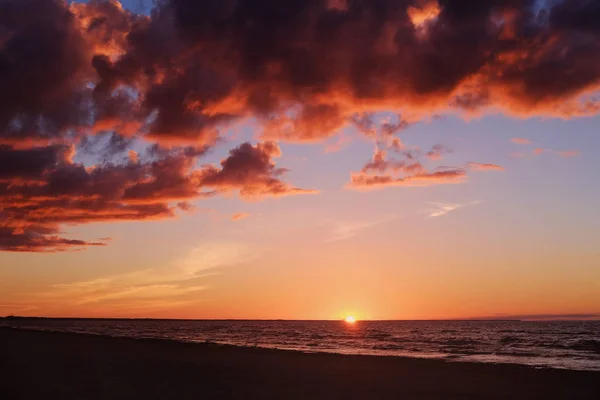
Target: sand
{"x":45,"y":365}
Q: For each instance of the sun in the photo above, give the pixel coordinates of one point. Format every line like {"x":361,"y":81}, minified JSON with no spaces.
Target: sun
{"x":350,"y":319}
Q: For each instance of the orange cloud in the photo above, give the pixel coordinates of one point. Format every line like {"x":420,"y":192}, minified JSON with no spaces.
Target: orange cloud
{"x":42,"y":188}
{"x":426,"y":11}
{"x":239,"y":216}
{"x":484,"y":167}
{"x":437,"y":152}
{"x":108,"y":68}
{"x":381,"y":172}
{"x":364,"y":181}
{"x":300,"y":70}
{"x":337,"y":145}
{"x":520,"y":141}
{"x":559,"y":153}
{"x":567,"y":153}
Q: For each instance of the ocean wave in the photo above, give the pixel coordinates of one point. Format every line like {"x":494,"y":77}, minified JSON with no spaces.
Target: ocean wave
{"x":509,"y":340}
{"x":591,"y":345}
{"x":465,"y":351}
{"x":459,"y":342}
{"x":387,"y":347}
{"x":518,"y":354}
{"x":559,"y":345}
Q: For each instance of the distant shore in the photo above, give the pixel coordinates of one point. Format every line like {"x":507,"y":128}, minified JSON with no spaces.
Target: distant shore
{"x":45,"y":365}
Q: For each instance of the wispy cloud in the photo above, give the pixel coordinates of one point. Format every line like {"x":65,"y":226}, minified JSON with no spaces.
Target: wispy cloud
{"x":336,"y":146}
{"x":484,"y":167}
{"x":346,"y":230}
{"x":440,"y":209}
{"x":520,"y":140}
{"x":567,"y":153}
{"x":437,"y":152}
{"x":168,"y":283}
{"x":239,"y":216}
{"x":149,"y":292}
{"x":560,"y":153}
{"x":538,"y":151}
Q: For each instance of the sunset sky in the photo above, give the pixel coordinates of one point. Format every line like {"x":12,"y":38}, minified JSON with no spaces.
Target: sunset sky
{"x":300,"y":159}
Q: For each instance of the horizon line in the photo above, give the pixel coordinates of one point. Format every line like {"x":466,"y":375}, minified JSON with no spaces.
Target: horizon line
{"x":508,"y":318}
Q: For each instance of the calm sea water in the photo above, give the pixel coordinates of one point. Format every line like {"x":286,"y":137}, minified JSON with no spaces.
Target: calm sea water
{"x":568,"y":345}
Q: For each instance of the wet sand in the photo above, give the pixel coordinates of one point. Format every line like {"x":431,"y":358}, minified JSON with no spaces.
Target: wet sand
{"x":46,"y":365}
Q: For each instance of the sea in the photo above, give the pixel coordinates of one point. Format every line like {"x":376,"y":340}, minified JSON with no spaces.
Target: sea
{"x":571,"y":345}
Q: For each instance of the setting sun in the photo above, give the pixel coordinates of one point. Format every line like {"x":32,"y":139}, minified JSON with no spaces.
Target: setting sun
{"x":350,"y":319}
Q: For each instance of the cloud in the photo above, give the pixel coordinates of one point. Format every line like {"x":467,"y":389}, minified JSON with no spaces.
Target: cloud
{"x":484,"y":167}
{"x":539,"y":151}
{"x":192,"y":68}
{"x":337,"y":145}
{"x":345,"y":230}
{"x":520,"y":141}
{"x":239,"y":216}
{"x":361,"y":181}
{"x":559,"y":153}
{"x":171,"y":282}
{"x":151,"y":292}
{"x":440,"y":209}
{"x":379,"y":163}
{"x":382,"y":129}
{"x":567,"y":153}
{"x":309,"y":91}
{"x":250,"y":170}
{"x":42,"y":189}
{"x":408,"y":171}
{"x":422,"y":13}
{"x":95,"y":78}
{"x":437,"y":152}
{"x":52,"y":190}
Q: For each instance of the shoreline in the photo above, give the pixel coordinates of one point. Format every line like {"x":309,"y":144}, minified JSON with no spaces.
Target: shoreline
{"x":43,"y":364}
{"x":209,"y":343}
{"x":448,"y":358}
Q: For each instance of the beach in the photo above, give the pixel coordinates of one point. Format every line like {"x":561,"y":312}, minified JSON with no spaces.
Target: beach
{"x":51,"y":365}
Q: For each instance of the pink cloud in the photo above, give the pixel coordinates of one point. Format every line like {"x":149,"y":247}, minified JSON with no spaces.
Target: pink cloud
{"x":559,"y":153}
{"x":239,"y":216}
{"x":484,"y":167}
{"x":382,"y":172}
{"x":520,"y":141}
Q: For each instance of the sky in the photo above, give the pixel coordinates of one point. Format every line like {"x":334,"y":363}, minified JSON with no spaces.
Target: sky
{"x":300,"y":160}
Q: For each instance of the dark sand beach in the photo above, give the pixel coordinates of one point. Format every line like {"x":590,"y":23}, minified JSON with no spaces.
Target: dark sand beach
{"x":45,"y":365}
